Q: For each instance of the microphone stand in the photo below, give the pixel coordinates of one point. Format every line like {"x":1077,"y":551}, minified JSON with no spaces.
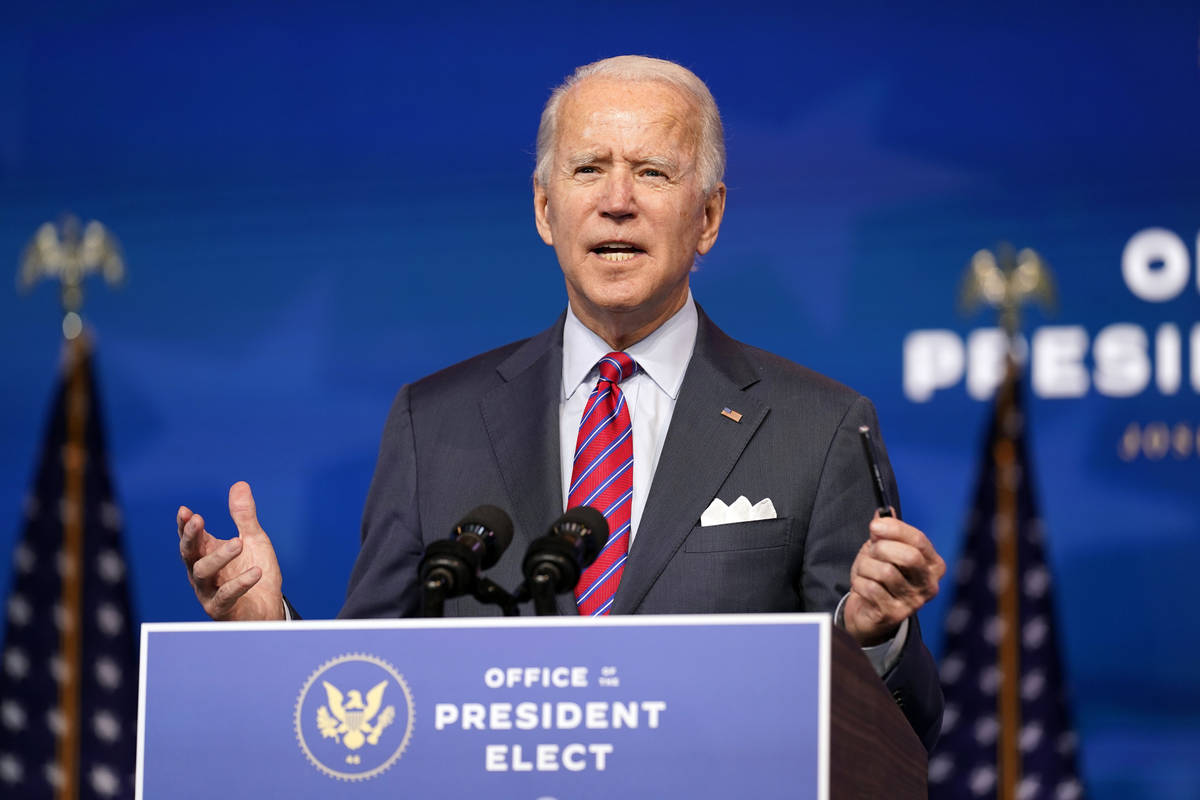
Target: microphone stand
{"x":489,"y":593}
{"x":545,"y":599}
{"x":433,"y":597}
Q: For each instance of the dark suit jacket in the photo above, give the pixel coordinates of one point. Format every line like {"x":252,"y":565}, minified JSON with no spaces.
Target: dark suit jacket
{"x":487,"y":431}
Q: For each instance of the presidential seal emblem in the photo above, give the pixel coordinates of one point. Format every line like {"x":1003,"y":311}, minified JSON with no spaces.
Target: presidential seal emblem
{"x":354,"y":717}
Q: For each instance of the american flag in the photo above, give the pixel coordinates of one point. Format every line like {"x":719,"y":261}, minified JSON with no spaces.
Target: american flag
{"x":1007,"y":729}
{"x":68,"y":681}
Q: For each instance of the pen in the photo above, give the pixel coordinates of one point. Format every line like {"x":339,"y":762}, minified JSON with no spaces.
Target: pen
{"x":882,"y":500}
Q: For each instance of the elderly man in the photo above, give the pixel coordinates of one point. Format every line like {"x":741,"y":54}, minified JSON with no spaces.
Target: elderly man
{"x":635,"y":403}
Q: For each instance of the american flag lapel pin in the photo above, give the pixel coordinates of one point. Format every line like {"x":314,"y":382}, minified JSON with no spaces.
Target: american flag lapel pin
{"x":736,"y":416}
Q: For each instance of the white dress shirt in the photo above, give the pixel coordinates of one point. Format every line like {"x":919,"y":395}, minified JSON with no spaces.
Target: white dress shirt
{"x":662,"y":359}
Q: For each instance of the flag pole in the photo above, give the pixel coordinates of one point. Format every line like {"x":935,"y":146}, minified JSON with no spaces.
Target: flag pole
{"x":68,"y":252}
{"x":1008,"y":755}
{"x":71,"y":631}
{"x":1006,"y":280}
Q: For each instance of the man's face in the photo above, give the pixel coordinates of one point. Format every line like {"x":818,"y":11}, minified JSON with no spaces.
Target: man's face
{"x":623,"y":206}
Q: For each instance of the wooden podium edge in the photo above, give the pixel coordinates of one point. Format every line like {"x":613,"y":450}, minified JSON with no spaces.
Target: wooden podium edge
{"x":873,"y":751}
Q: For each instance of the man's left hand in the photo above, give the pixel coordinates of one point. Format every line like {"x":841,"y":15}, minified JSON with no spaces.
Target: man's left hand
{"x":895,"y":573}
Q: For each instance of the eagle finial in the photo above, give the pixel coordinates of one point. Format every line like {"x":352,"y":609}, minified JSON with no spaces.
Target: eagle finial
{"x":1007,"y":280}
{"x":69,"y":252}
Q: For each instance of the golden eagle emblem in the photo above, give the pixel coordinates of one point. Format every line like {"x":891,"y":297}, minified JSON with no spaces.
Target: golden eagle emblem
{"x":349,"y":718}
{"x":349,"y":731}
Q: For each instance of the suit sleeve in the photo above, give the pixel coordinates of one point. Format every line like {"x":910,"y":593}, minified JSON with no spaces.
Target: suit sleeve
{"x":383,"y":582}
{"x":844,"y":505}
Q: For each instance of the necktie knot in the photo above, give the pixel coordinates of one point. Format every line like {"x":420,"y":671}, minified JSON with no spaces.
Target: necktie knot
{"x":616,"y":367}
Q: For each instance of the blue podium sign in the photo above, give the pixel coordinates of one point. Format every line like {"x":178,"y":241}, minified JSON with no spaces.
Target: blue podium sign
{"x":550,"y":708}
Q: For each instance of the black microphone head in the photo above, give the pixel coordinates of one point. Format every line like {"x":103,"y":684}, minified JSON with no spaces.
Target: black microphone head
{"x":590,"y":525}
{"x":497,"y":530}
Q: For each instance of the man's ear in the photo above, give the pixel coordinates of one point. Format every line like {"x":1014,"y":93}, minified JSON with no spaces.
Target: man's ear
{"x":714,"y":212}
{"x":541,"y":213}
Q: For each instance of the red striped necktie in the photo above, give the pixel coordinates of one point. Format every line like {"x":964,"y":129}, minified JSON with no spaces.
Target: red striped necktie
{"x":602,"y":477}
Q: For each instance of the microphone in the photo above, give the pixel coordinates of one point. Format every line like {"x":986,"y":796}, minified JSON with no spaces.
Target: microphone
{"x":573,"y":543}
{"x":476,"y":544}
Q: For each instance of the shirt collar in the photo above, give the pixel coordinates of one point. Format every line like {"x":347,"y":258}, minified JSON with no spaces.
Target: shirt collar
{"x":663,"y":355}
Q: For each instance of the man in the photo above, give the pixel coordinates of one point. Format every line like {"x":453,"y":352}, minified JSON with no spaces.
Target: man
{"x":627,"y":191}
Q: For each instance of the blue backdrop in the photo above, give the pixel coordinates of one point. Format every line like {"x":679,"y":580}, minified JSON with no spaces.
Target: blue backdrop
{"x":319,"y":203}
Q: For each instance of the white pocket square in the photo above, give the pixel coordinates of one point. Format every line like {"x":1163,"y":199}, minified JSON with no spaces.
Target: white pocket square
{"x":718,"y":513}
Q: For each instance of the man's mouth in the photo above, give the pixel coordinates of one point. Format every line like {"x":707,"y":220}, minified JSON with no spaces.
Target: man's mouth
{"x":616,"y":251}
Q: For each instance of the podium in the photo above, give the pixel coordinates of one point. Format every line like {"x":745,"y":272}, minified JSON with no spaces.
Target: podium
{"x":547,"y":708}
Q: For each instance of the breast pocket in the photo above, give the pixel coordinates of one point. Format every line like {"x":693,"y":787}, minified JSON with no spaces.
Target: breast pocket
{"x":760,"y":534}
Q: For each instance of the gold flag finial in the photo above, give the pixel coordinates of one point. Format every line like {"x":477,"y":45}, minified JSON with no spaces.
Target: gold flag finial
{"x":1007,"y":280}
{"x":69,"y":252}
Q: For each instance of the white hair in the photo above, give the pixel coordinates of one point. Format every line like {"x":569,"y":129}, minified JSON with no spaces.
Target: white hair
{"x":711,"y":155}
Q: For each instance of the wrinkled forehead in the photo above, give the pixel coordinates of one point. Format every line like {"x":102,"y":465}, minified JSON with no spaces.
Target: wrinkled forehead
{"x":603,"y":111}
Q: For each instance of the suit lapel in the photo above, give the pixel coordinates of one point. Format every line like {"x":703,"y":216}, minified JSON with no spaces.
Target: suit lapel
{"x":700,"y":450}
{"x":521,"y":419}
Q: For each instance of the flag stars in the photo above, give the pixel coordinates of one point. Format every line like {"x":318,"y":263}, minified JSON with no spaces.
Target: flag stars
{"x":1068,"y":790}
{"x":16,"y":663}
{"x":1030,"y":737}
{"x":108,"y":673}
{"x":957,"y":619}
{"x":951,"y":670}
{"x":976,"y":738}
{"x":20,"y":612}
{"x":12,"y":715}
{"x":1029,"y":787}
{"x":982,"y":780}
{"x":110,"y":620}
{"x":11,"y":771}
{"x":1035,"y":632}
{"x":986,"y":730}
{"x":104,"y":781}
{"x":1037,"y":581}
{"x":940,"y":767}
{"x":1033,"y":684}
{"x":100,"y":721}
{"x":111,"y":566}
{"x":106,"y":726}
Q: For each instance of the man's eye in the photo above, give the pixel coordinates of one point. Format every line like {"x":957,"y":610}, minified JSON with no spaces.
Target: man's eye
{"x":586,"y":171}
{"x":654,"y":173}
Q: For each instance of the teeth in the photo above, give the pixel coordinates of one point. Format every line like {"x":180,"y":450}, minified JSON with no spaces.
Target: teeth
{"x":621,"y":255}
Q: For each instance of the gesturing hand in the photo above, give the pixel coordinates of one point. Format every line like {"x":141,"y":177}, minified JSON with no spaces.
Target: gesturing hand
{"x":234,"y":579}
{"x":895,"y":573}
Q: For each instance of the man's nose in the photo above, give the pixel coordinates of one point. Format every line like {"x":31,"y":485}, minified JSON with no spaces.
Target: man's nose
{"x":617,"y":201}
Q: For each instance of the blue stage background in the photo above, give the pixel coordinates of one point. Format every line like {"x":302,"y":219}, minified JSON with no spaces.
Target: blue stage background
{"x":320,"y":202}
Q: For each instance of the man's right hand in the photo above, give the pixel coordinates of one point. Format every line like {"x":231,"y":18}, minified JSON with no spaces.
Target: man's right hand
{"x":234,"y":579}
